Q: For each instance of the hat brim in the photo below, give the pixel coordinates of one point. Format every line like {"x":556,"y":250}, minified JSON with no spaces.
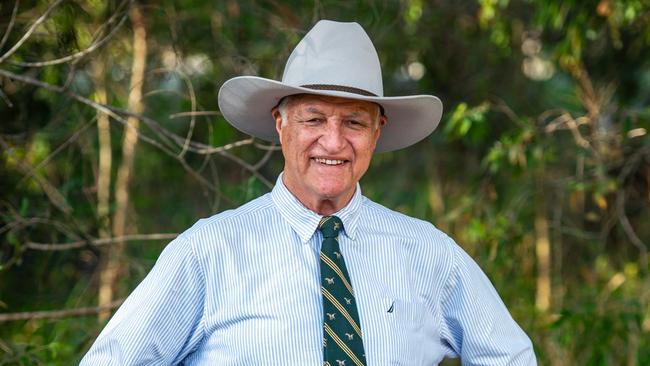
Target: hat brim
{"x":246,"y":102}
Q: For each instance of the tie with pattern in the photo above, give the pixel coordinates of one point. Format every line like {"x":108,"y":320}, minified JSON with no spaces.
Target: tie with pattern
{"x":342,"y":335}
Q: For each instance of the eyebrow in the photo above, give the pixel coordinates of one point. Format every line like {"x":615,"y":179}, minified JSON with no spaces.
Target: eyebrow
{"x":314,"y":110}
{"x":354,"y":115}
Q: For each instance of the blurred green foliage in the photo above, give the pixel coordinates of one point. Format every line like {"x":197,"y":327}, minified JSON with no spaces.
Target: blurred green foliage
{"x":546,"y":126}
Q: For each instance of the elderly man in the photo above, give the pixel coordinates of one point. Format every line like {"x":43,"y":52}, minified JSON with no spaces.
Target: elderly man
{"x":313,"y":272}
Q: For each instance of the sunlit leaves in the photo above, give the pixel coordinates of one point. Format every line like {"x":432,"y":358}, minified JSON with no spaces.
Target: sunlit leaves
{"x":489,"y":18}
{"x":412,"y":14}
{"x":490,"y":9}
{"x":467,"y":122}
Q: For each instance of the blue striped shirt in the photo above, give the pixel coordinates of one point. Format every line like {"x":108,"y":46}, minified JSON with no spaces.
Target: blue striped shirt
{"x":243,"y":288}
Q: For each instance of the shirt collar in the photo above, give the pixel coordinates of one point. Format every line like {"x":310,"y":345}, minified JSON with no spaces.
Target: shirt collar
{"x":305,"y":221}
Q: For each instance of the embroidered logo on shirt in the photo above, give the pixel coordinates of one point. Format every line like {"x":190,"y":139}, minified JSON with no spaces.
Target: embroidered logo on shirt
{"x":390,"y":309}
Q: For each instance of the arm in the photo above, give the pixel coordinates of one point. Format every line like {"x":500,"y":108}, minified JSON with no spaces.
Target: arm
{"x":160,"y":322}
{"x":476,"y":323}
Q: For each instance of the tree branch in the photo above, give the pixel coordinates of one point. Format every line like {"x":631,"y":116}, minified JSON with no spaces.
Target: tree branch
{"x":53,"y":194}
{"x":98,"y":242}
{"x":196,"y":113}
{"x":29,"y":32}
{"x":193,"y":110}
{"x":58,"y":314}
{"x":5,"y":37}
{"x":629,"y":231}
{"x":6,"y":99}
{"x":47,"y":159}
{"x":94,"y":46}
{"x":117,"y":114}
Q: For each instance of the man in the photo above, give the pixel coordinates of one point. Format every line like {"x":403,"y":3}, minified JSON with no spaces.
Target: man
{"x":314,"y":273}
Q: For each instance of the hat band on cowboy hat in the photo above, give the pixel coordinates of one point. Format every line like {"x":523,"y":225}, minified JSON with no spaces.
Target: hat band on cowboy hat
{"x":333,"y":59}
{"x":340,"y":88}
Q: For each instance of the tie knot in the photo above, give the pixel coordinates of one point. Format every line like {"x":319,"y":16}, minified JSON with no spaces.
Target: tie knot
{"x":330,"y":226}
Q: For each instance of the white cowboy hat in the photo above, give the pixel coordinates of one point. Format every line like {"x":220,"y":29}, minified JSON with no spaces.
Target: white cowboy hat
{"x":336,"y":59}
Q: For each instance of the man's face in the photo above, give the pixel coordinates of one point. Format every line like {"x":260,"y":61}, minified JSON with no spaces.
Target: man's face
{"x":327,"y":143}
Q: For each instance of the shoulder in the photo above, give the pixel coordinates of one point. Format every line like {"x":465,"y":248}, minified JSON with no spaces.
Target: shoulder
{"x":221,"y":229}
{"x":379,"y":217}
{"x":429,"y":249}
{"x":238,"y":219}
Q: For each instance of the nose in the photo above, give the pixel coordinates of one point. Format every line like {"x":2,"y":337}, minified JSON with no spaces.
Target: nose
{"x":333,"y":139}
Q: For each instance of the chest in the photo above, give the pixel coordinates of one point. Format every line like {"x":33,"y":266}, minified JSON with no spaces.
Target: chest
{"x":264,"y":306}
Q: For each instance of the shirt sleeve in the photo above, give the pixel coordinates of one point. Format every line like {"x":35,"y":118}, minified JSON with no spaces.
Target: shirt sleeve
{"x":476,"y":324}
{"x":160,"y":322}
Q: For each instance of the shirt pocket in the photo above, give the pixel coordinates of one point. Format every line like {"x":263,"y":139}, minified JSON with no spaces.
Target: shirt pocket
{"x":405,"y":340}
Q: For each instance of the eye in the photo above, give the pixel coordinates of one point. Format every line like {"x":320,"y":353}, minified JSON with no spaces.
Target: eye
{"x":353,"y":123}
{"x":311,"y":120}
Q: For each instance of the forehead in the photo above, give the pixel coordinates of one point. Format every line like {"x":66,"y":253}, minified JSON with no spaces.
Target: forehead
{"x":306,"y":101}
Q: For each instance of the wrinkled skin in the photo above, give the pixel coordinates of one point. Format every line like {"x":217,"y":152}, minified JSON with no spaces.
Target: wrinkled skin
{"x":327,"y":143}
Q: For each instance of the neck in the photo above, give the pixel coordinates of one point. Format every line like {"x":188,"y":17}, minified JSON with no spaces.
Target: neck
{"x":323,"y":206}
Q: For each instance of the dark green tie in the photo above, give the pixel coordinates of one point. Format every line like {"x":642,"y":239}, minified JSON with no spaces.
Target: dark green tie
{"x":342,"y":334}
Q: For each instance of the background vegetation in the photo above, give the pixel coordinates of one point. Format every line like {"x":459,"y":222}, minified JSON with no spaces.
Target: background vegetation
{"x":111,"y":144}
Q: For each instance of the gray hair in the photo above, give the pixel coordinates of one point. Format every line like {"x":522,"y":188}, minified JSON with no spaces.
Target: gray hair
{"x":282,"y":107}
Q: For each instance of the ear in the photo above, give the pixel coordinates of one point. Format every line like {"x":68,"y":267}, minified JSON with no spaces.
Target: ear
{"x":275,"y":113}
{"x":382,"y":122}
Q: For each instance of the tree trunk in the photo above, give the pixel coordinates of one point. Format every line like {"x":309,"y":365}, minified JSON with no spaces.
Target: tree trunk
{"x":543,"y":254}
{"x":104,"y":171}
{"x":110,"y":272}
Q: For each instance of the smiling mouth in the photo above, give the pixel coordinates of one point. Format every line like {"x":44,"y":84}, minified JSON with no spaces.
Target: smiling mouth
{"x":332,"y":162}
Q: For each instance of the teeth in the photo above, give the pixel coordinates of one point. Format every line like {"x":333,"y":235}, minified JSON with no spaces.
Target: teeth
{"x":329,"y":161}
